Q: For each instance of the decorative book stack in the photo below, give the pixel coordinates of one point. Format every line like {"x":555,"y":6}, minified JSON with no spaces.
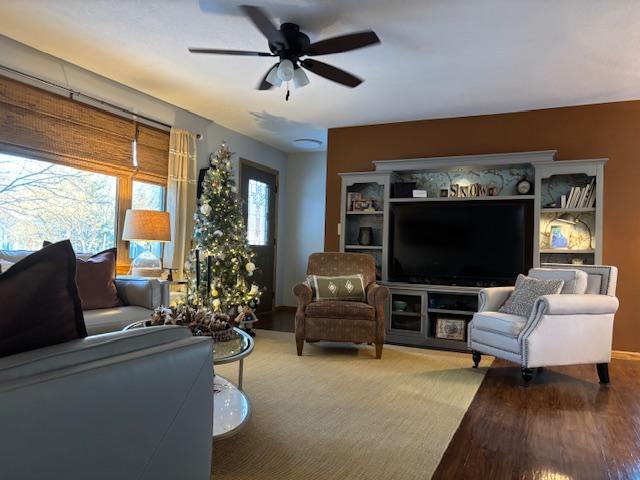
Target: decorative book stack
{"x":580,"y":197}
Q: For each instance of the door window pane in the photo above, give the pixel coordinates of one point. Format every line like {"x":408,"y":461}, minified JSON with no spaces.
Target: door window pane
{"x":258,"y":213}
{"x":45,"y":201}
{"x":146,"y":196}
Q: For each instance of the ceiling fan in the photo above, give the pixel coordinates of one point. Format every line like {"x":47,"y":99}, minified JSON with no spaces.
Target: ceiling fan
{"x":290,"y":44}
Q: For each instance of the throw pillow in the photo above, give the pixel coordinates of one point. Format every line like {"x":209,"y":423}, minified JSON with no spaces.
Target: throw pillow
{"x":344,"y":287}
{"x":44,"y":307}
{"x":96,"y":280}
{"x":527,"y":290}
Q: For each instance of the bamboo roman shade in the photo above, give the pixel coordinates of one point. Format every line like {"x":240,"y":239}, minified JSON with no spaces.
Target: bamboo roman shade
{"x":57,"y":128}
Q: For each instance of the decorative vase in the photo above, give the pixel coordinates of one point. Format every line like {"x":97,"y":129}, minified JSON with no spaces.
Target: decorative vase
{"x":365,"y":235}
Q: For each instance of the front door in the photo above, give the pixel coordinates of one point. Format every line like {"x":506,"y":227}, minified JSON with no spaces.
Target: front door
{"x":258,"y":187}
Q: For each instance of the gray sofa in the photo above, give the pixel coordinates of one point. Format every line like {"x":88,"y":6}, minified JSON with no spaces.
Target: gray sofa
{"x":139,"y":296}
{"x":122,"y":405}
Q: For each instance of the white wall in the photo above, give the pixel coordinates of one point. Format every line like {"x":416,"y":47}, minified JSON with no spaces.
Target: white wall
{"x":304,"y":217}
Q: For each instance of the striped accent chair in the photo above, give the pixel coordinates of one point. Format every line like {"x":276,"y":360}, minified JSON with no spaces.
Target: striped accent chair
{"x":341,"y":321}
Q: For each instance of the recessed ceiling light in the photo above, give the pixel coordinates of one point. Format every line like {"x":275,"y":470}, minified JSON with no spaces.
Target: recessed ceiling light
{"x":307,"y":142}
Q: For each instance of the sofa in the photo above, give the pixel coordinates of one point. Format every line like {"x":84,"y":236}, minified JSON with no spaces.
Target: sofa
{"x":139,"y":297}
{"x":569,"y":328}
{"x":122,"y":405}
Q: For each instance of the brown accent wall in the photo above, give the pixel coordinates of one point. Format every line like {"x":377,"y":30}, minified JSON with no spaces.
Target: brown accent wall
{"x":610,"y":130}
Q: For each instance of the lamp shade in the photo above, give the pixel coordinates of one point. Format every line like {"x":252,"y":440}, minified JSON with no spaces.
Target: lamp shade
{"x":273,"y":77}
{"x":300,"y":78}
{"x":147,"y":226}
{"x":285,"y":70}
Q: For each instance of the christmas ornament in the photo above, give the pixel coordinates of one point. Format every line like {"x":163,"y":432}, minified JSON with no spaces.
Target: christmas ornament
{"x":205,"y":209}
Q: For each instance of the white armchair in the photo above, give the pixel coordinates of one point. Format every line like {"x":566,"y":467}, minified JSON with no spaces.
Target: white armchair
{"x":573,"y":327}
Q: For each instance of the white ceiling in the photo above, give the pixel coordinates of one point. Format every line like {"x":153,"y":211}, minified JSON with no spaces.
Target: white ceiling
{"x":437,"y":58}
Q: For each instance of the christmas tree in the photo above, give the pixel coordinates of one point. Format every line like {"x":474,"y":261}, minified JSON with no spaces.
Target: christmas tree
{"x":221,"y":262}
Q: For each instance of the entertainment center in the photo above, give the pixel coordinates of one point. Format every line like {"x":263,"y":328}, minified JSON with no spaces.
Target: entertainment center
{"x":442,"y":228}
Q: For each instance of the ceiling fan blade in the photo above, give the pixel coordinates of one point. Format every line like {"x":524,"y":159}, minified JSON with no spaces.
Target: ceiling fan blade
{"x":343,"y":43}
{"x":264,"y":85}
{"x":231,"y":52}
{"x":331,"y":73}
{"x":261,"y":20}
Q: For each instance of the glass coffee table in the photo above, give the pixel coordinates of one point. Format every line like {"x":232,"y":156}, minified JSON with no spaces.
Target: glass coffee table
{"x":234,"y":350}
{"x":231,"y":407}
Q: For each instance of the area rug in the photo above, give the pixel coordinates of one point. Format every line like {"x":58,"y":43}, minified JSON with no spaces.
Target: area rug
{"x":338,"y":413}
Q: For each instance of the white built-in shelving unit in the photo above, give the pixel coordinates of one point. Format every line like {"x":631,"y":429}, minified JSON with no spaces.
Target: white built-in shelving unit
{"x":416,"y":323}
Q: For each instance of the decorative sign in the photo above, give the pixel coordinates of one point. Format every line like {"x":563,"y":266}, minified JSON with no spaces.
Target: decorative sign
{"x":473,"y":190}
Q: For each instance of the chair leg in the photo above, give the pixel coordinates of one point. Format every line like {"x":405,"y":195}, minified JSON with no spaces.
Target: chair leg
{"x":476,"y":358}
{"x":299,"y":345}
{"x":527,"y":375}
{"x":379,"y":350}
{"x":603,"y":372}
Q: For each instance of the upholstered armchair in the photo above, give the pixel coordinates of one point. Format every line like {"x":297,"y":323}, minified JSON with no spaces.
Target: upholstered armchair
{"x":341,"y":321}
{"x":573,"y":327}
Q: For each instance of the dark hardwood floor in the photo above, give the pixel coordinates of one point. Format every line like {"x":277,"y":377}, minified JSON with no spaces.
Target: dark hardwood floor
{"x":564,"y":425}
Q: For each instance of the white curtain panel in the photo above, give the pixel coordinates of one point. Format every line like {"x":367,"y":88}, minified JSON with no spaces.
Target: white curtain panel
{"x":182,"y":174}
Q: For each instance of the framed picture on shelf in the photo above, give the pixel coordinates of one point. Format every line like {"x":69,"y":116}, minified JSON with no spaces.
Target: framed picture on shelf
{"x":362,"y":205}
{"x":558,"y":239}
{"x":352,"y":197}
{"x":451,"y":328}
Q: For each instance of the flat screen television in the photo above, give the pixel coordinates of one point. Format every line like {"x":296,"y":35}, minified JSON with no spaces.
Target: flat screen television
{"x":471,"y":243}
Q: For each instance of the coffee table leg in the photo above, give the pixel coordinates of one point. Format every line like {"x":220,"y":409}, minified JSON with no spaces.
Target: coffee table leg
{"x":240,"y":373}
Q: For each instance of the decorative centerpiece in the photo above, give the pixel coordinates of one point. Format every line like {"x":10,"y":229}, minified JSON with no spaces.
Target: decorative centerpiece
{"x":201,"y":321}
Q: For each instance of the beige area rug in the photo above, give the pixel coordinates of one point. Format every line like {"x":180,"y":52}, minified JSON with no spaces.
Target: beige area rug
{"x":338,"y":413}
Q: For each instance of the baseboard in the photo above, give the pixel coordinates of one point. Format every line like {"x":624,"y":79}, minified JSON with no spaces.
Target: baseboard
{"x":285,"y":308}
{"x":621,"y":355}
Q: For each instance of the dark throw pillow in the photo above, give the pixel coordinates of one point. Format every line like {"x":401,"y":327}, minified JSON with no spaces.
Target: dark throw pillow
{"x":40,"y":301}
{"x":96,"y":281}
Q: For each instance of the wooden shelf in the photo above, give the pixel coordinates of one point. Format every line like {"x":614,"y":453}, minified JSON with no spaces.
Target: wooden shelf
{"x":566,"y":250}
{"x":377,"y":212}
{"x":446,"y":310}
{"x":457,"y":199}
{"x":567,"y":210}
{"x":363,"y":247}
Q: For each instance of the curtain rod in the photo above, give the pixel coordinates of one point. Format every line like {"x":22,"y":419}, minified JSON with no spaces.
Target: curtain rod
{"x":94,"y":99}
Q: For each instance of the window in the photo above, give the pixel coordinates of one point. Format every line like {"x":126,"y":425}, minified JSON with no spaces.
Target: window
{"x":45,"y":201}
{"x":258,"y":213}
{"x":146,"y":196}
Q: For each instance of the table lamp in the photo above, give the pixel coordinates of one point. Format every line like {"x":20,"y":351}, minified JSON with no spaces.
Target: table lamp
{"x":146,"y":226}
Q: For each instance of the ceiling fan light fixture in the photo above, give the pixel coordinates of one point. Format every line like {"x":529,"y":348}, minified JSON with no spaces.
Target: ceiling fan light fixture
{"x":300,"y":78}
{"x":273,"y":78}
{"x":285,"y":70}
